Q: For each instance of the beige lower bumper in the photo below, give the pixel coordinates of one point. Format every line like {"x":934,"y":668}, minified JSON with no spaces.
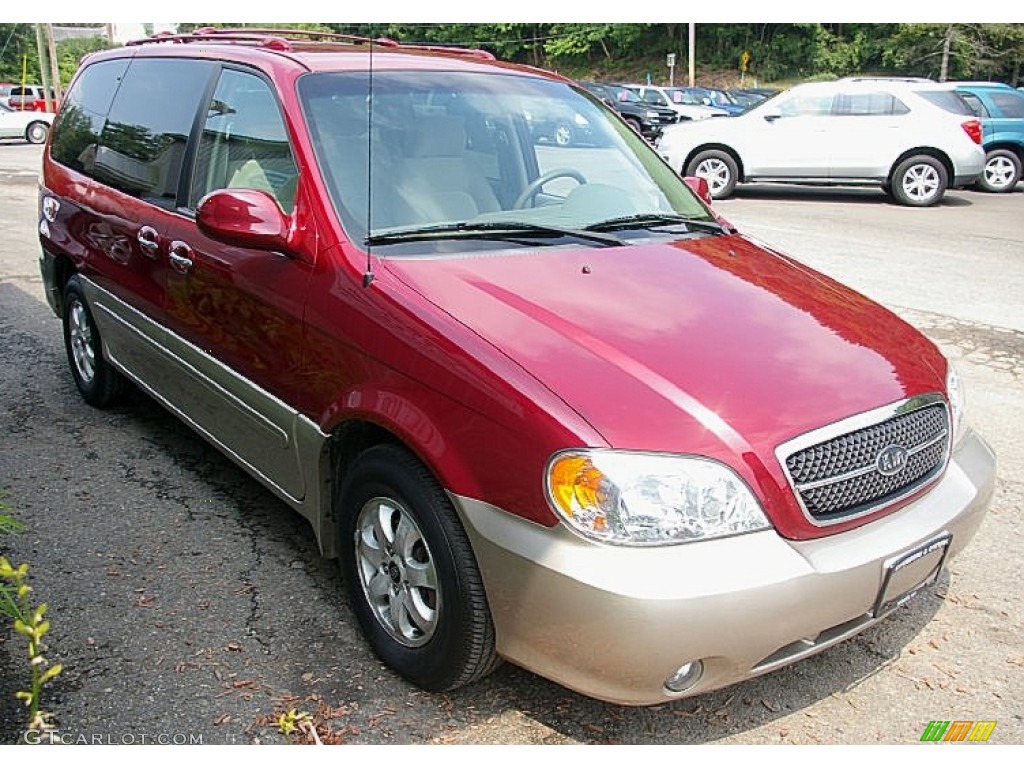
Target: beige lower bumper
{"x":615,"y":622}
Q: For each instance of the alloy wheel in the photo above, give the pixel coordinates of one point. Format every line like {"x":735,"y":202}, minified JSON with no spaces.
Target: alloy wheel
{"x":396,"y":571}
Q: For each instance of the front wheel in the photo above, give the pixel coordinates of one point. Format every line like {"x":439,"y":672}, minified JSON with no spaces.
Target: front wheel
{"x":718,"y":168}
{"x":1002,"y":171}
{"x":563,"y":135}
{"x":919,"y":181}
{"x":410,"y":573}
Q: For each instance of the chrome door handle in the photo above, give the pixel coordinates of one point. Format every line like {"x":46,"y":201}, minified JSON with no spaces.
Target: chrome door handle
{"x":180,"y":255}
{"x":149,"y":241}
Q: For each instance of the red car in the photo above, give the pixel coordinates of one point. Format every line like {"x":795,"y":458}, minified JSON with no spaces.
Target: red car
{"x":540,"y":401}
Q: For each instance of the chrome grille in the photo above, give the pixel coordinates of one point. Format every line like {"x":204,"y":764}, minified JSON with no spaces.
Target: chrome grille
{"x":843,"y":476}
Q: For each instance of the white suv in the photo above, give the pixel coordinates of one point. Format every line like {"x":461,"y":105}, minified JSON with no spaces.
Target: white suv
{"x":913,"y":138}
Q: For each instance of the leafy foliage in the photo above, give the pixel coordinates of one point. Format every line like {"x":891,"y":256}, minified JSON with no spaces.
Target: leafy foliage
{"x":778,"y":52}
{"x":28,"y":621}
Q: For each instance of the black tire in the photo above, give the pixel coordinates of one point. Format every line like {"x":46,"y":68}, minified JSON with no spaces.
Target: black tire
{"x":919,"y":181}
{"x":99,"y":384}
{"x":1002,"y":171}
{"x":405,"y":554}
{"x":36,"y":132}
{"x":635,"y":125}
{"x":719,"y":169}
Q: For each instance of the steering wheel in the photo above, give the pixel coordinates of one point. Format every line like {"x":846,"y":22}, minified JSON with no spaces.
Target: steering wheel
{"x":534,"y":186}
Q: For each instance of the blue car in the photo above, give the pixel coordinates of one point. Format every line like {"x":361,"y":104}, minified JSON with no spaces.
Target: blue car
{"x":1001,"y":109}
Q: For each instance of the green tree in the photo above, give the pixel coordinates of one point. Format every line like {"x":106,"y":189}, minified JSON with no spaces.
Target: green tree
{"x":18,"y":44}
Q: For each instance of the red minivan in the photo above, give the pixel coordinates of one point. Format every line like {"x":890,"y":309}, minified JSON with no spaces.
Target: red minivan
{"x":538,"y":399}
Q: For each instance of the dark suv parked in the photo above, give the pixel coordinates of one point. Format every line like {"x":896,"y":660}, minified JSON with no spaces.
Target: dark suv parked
{"x":646,"y":119}
{"x":540,"y":401}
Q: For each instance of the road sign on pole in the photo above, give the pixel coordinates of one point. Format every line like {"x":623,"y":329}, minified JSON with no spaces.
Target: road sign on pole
{"x":671,"y":69}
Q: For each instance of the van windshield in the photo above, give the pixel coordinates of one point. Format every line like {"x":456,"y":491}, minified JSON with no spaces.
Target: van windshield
{"x":431,"y":150}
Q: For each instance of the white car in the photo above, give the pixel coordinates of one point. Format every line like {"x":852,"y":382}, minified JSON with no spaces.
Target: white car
{"x":33,"y":127}
{"x":687,"y":106}
{"x":914,"y":139}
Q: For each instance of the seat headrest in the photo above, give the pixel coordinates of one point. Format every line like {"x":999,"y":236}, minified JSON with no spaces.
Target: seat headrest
{"x":436,"y":137}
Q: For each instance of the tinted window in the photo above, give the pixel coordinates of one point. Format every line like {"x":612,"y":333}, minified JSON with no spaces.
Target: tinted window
{"x":975,"y":104}
{"x":143,"y":142}
{"x":77,"y":129}
{"x":951,"y":101}
{"x":244,"y":142}
{"x":1010,"y":104}
{"x":861,"y":104}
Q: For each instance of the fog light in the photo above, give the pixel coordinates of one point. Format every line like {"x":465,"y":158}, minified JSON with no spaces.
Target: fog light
{"x":685,"y":677}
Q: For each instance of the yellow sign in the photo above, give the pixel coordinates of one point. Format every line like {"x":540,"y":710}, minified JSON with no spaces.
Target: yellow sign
{"x":744,"y":61}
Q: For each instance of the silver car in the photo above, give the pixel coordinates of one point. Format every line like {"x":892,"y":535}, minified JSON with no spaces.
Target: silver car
{"x":915,"y":139}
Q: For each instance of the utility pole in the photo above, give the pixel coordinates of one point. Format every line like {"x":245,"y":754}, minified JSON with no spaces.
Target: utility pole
{"x":41,"y":50}
{"x":58,"y":94}
{"x":692,"y":50}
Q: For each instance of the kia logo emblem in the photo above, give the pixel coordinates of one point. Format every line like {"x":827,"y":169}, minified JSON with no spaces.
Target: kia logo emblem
{"x":891,"y":460}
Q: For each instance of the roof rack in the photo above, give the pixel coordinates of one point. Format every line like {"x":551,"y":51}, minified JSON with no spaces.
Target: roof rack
{"x":275,"y":39}
{"x":285,"y":39}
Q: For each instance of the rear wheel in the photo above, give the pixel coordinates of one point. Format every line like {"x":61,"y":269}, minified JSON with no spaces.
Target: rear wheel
{"x":719,"y":170}
{"x":919,"y":181}
{"x":99,"y":384}
{"x":410,"y":573}
{"x":36,"y":132}
{"x":1002,"y":171}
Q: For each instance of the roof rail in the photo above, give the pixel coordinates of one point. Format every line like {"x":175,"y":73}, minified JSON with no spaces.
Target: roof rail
{"x":284,"y":39}
{"x":476,"y":53}
{"x":275,"y":39}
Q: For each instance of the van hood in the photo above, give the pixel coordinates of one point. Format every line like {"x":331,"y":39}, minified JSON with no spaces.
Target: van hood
{"x":712,"y":345}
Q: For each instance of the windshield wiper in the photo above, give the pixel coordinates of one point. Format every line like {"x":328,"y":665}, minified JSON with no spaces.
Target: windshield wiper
{"x":651,"y":220}
{"x":487,"y":230}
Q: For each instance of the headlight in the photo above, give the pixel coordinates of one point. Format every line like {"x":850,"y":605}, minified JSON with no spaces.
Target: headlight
{"x":957,"y":403}
{"x":652,"y":115}
{"x":625,"y":497}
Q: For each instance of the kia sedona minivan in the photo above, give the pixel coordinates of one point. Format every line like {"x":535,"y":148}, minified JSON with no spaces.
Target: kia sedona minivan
{"x":528,"y":393}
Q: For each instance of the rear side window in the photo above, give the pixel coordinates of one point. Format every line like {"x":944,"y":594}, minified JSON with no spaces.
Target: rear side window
{"x":975,"y":103}
{"x":142,"y":146}
{"x":1010,"y":104}
{"x":77,"y":129}
{"x":950,"y":101}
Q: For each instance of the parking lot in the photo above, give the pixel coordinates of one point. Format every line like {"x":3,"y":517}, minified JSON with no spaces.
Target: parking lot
{"x":188,"y":603}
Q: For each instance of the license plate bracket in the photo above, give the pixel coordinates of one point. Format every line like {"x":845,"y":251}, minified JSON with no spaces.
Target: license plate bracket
{"x":907,"y":574}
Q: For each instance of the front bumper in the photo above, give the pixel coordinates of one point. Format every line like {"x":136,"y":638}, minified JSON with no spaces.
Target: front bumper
{"x":615,"y":622}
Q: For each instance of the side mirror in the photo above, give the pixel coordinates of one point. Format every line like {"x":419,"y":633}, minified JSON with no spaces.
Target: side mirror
{"x":699,"y":186}
{"x":248,"y":218}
